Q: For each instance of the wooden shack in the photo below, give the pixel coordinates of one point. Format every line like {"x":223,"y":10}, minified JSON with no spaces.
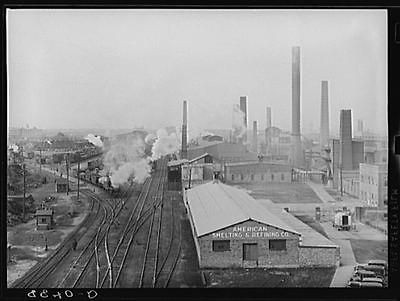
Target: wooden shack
{"x":44,"y":218}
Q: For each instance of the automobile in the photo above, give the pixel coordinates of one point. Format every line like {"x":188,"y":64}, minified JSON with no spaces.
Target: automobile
{"x":373,"y":279}
{"x":378,"y":262}
{"x":354,"y":284}
{"x":378,"y":270}
{"x":361,"y":274}
{"x":370,"y":284}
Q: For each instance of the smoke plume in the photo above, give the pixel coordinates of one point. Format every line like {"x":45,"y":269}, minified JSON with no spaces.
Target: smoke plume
{"x":238,"y":125}
{"x":126,"y":160}
{"x":95,"y":140}
{"x":164,"y":144}
{"x":14,"y":148}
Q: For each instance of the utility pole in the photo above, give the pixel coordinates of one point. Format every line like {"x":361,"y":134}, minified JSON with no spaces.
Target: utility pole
{"x":67,"y":166}
{"x":40,"y":160}
{"x":79,"y":165}
{"x":23,"y":208}
{"x":341,"y":180}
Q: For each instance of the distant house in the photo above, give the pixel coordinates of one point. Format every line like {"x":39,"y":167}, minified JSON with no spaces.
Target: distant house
{"x":61,"y":185}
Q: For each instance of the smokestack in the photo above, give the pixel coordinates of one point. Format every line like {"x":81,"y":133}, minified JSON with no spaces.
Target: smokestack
{"x":360,"y":126}
{"x":296,"y":154}
{"x":184,"y":131}
{"x":243,"y":108}
{"x":269,"y":120}
{"x":324,"y":127}
{"x":255,"y":142}
{"x":346,"y":151}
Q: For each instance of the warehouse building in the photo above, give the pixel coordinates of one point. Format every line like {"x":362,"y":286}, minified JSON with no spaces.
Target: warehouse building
{"x":257,"y":172}
{"x":373,"y":184}
{"x":231,"y":229}
{"x":223,"y":152}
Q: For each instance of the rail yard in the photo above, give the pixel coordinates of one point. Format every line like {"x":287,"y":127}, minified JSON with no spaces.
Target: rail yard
{"x":129,"y":241}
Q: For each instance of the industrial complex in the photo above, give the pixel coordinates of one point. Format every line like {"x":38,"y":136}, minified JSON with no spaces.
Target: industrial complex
{"x":172,"y":207}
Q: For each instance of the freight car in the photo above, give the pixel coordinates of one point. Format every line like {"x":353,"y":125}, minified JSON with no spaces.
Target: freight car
{"x":102,"y":182}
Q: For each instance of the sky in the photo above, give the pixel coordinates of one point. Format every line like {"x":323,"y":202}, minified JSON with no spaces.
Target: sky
{"x":132,"y":68}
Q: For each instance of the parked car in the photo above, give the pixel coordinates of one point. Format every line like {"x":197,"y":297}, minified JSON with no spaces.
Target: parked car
{"x":361,"y":274}
{"x":378,"y":262}
{"x":373,"y":279}
{"x":378,"y":270}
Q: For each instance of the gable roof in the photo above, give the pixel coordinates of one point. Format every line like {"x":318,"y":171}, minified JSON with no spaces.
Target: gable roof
{"x":215,"y":206}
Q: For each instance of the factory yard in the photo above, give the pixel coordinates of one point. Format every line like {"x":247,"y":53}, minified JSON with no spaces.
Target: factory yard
{"x":287,"y":193}
{"x":283,"y":277}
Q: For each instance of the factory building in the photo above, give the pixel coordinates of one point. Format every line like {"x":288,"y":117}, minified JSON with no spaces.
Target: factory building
{"x":223,"y":152}
{"x":186,"y":173}
{"x":257,"y":172}
{"x":231,"y":229}
{"x":373,"y":184}
{"x":278,"y":144}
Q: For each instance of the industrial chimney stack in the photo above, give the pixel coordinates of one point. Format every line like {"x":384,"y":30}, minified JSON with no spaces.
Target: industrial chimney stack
{"x":324,"y":127}
{"x":184,"y":131}
{"x":269,"y":120}
{"x":297,"y":153}
{"x":255,"y":142}
{"x":346,"y":144}
{"x":243,"y":108}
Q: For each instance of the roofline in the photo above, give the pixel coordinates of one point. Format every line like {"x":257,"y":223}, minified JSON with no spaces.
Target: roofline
{"x":249,"y":219}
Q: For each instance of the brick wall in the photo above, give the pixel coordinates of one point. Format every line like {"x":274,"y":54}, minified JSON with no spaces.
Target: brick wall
{"x":234,"y":257}
{"x":319,"y":256}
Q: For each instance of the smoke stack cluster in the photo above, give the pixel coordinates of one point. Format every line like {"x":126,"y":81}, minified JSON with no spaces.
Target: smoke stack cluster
{"x":184,"y":131}
{"x":324,"y":130}
{"x":243,"y":108}
{"x":296,"y":154}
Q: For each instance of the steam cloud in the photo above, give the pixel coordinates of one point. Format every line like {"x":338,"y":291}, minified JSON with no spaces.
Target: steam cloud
{"x":95,"y":140}
{"x":126,"y":160}
{"x":164,"y":144}
{"x":14,"y":147}
{"x":238,"y":125}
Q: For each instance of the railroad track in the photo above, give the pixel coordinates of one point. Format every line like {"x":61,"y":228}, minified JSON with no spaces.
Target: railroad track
{"x":36,"y":276}
{"x":91,"y":254}
{"x":159,"y":262}
{"x":143,"y":212}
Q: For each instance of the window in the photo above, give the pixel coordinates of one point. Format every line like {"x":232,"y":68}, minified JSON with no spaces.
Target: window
{"x":252,"y":177}
{"x":221,"y":245}
{"x":262,"y":177}
{"x":272,"y":177}
{"x":233,"y":177}
{"x":282,"y":177}
{"x":241,"y":177}
{"x":277,"y":245}
{"x":385,"y":184}
{"x":43,"y":220}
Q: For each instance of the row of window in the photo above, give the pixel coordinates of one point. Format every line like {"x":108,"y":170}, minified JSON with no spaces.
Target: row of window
{"x":263,"y":177}
{"x":225,"y":245}
{"x":366,"y":195}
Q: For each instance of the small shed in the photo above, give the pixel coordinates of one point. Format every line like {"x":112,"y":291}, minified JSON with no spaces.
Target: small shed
{"x":44,"y":218}
{"x":61,"y":185}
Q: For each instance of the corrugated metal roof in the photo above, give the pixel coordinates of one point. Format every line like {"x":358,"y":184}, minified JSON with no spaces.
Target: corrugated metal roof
{"x":177,"y":162}
{"x":215,"y":206}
